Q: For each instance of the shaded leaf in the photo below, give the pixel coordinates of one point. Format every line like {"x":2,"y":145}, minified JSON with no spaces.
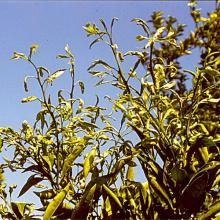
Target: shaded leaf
{"x":18,"y":208}
{"x":81,"y":209}
{"x":32,"y":180}
{"x":82,"y":87}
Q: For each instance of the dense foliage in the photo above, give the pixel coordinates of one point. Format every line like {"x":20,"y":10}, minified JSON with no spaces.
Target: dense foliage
{"x":81,"y":163}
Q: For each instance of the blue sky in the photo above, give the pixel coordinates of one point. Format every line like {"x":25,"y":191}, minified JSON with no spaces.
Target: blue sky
{"x":53,"y":24}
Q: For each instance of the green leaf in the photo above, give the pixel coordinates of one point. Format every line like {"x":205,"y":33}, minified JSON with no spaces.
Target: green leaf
{"x":130,"y":173}
{"x":42,"y":69}
{"x":49,"y":161}
{"x":82,"y":208}
{"x":62,"y":56}
{"x":159,"y":32}
{"x":160,"y":189}
{"x":29,"y":99}
{"x":25,"y":84}
{"x":68,"y":51}
{"x":112,"y":195}
{"x":18,"y":208}
{"x":107,"y":206}
{"x":54,"y":204}
{"x":94,"y":42}
{"x":169,"y":85}
{"x":88,"y":162}
{"x":80,"y":106}
{"x":33,"y":49}
{"x":32,"y":180}
{"x":46,"y":194}
{"x":1,"y":144}
{"x":212,"y":210}
{"x":82,"y":87}
{"x":112,"y":23}
{"x":55,"y":75}
{"x":178,"y":174}
{"x":101,"y":62}
{"x":17,"y":56}
{"x":90,"y":29}
{"x":144,"y":191}
{"x":145,"y":96}
{"x":140,"y":38}
{"x":70,"y":159}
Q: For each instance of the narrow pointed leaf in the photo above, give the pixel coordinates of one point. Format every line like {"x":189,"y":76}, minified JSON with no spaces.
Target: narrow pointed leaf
{"x":29,"y":99}
{"x":32,"y":181}
{"x":112,"y":195}
{"x":88,"y":162}
{"x":54,"y":204}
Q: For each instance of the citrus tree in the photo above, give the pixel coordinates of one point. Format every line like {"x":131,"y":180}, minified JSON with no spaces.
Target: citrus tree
{"x":82,"y":164}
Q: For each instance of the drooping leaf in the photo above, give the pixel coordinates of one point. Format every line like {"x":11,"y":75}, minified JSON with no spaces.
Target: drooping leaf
{"x":112,"y":23}
{"x":25,"y":84}
{"x":70,"y":159}
{"x":33,"y":49}
{"x":80,"y":106}
{"x":1,"y":144}
{"x":101,"y":62}
{"x":94,"y":42}
{"x":82,"y":87}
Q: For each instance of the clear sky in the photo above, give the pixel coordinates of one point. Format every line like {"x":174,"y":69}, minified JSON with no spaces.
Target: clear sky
{"x":53,"y":24}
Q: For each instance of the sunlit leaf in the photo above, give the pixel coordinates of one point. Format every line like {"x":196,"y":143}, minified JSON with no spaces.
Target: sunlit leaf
{"x":91,"y":29}
{"x":112,"y":195}
{"x":169,"y":85}
{"x":140,"y":38}
{"x":17,"y":56}
{"x":29,"y":99}
{"x":54,"y":204}
{"x":88,"y":162}
{"x":33,"y":49}
{"x":80,"y":106}
{"x":55,"y":75}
